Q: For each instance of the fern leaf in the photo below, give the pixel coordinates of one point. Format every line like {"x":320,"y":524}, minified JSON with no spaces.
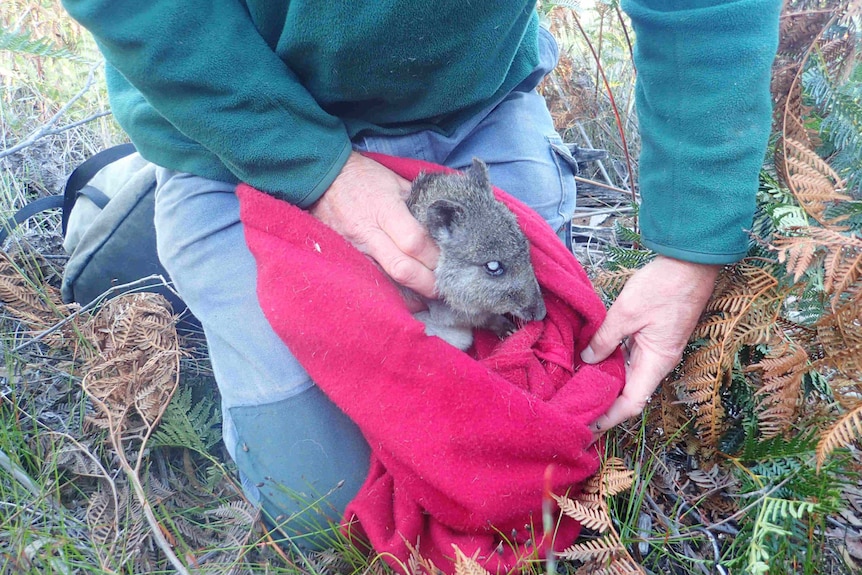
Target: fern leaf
{"x":20,"y":41}
{"x":194,"y":427}
{"x":841,"y":434}
{"x":780,"y":391}
{"x":600,"y":549}
{"x":619,"y":567}
{"x":467,"y":565}
{"x":590,"y":517}
{"x":612,"y":281}
{"x":813,"y":182}
{"x":236,"y":512}
{"x":617,"y":481}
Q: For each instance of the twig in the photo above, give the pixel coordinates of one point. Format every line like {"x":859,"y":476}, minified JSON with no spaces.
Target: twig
{"x":132,"y":473}
{"x":588,"y":212}
{"x":672,"y":525}
{"x":716,"y":552}
{"x":589,"y":143}
{"x":766,"y":491}
{"x":47,"y":129}
{"x":119,"y":288}
{"x":601,"y":185}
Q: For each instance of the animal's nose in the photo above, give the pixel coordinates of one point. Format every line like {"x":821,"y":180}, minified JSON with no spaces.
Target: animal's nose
{"x":536,"y":311}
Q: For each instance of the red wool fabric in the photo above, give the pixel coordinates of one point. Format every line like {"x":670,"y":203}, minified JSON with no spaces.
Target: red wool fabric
{"x":460,"y":441}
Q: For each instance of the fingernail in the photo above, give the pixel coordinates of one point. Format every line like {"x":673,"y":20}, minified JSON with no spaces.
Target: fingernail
{"x":588,"y":355}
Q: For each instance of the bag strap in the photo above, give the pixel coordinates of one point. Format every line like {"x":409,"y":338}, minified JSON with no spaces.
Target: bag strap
{"x":77,"y":182}
{"x":76,"y":185}
{"x":28,"y":211}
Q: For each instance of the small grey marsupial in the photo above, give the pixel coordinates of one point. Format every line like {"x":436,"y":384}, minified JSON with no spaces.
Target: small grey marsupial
{"x":484,"y":271}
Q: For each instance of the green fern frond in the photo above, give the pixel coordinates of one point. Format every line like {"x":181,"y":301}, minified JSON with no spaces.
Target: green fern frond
{"x":625,"y":234}
{"x":627,"y":258}
{"x":850,"y":214}
{"x":194,"y":427}
{"x":777,"y":209}
{"x":840,"y":107}
{"x":809,"y":306}
{"x":19,"y":41}
{"x":779,"y":447}
{"x":773,"y":520}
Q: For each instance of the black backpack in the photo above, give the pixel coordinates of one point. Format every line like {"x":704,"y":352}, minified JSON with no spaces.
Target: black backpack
{"x":107,"y":220}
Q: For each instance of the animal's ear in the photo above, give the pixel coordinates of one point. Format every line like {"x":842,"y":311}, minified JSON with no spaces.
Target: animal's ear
{"x":478,"y":172}
{"x":422,"y":179}
{"x":442,"y":215}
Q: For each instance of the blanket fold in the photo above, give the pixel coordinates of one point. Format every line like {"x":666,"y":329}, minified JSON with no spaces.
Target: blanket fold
{"x":460,"y":442}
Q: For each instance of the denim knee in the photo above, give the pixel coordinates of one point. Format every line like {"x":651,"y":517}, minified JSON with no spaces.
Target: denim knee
{"x":303,"y":461}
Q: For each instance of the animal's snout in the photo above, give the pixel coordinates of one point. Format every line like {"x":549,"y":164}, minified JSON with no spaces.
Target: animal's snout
{"x":534,"y":312}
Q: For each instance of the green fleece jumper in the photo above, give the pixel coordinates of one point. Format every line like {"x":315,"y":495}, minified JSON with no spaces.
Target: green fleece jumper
{"x":704,"y":110}
{"x":270,"y":92}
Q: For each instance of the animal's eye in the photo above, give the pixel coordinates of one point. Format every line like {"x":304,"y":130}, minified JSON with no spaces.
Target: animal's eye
{"x":494,"y":268}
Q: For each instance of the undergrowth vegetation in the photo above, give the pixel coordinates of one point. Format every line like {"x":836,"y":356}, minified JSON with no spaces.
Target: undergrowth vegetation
{"x":745,"y":462}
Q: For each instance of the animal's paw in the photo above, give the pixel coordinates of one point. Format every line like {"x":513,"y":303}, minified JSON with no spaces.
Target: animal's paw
{"x":501,"y":325}
{"x":457,"y":336}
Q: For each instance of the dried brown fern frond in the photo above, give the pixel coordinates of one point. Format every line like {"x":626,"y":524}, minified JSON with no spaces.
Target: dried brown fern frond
{"x":117,"y":542}
{"x":844,"y":432}
{"x":804,"y":34}
{"x":613,"y":478}
{"x":618,"y":567}
{"x":417,"y":564}
{"x":616,"y":478}
{"x":39,"y":306}
{"x":612,"y":281}
{"x":813,"y":182}
{"x":590,"y":509}
{"x":714,"y":479}
{"x":840,"y":55}
{"x":589,"y":516}
{"x":569,"y":90}
{"x":841,"y":256}
{"x":130,"y":381}
{"x":798,"y":30}
{"x":780,"y":392}
{"x":743,"y":311}
{"x":839,"y":336}
{"x":607,"y":548}
{"x":667,"y":414}
{"x":135,"y":370}
{"x":467,"y":565}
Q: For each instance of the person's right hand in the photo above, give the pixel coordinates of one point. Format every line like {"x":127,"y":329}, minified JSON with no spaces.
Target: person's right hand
{"x":366,"y":205}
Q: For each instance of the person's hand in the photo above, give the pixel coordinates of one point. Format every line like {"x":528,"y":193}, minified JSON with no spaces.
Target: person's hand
{"x":366,"y":205}
{"x":655,"y":314}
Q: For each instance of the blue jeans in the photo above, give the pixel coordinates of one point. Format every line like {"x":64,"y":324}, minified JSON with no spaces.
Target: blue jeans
{"x":298,"y":454}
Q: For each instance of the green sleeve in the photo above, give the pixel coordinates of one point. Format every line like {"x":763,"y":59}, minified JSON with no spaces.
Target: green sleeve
{"x":206,"y":70}
{"x":704,"y":110}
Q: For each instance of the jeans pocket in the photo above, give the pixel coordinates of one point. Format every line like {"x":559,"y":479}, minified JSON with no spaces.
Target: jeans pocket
{"x":567,"y":168}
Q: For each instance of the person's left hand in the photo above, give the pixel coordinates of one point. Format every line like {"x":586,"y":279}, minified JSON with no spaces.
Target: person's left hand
{"x":655,"y":313}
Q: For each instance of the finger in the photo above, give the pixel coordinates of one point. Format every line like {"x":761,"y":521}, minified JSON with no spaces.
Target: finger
{"x":410,"y":237}
{"x":403,"y":269}
{"x":622,"y":409}
{"x":645,"y":375}
{"x":607,"y":338}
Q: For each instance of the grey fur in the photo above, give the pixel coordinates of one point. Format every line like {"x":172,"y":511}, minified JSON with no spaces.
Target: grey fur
{"x":473,"y":230}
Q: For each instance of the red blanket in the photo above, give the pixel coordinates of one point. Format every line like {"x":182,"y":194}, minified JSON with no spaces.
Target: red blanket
{"x":460,"y":441}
